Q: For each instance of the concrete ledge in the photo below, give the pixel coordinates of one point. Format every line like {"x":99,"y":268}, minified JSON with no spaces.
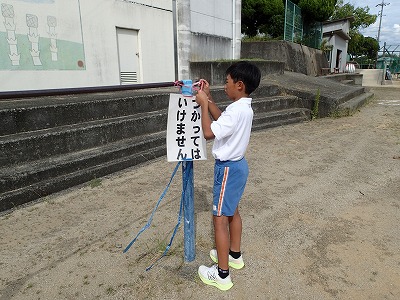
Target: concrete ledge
{"x":332,"y":93}
{"x":356,"y":78}
{"x":349,"y":107}
{"x":298,"y":58}
{"x":371,"y":77}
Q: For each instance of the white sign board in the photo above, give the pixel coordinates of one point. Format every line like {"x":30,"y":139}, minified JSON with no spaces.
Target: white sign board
{"x":185,"y":139}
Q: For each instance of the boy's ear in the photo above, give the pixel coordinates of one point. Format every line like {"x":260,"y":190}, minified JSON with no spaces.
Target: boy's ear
{"x":240,"y":85}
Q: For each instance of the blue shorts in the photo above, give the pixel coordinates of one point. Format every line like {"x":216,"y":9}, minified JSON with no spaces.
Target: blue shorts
{"x":230,"y":179}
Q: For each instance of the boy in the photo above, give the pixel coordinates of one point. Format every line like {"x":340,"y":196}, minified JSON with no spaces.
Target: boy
{"x":231,"y":133}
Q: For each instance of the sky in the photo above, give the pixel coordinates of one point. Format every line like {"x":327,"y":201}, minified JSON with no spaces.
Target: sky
{"x":390,"y":28}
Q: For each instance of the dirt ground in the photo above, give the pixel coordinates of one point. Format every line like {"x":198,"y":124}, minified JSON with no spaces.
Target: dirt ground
{"x":321,"y":220}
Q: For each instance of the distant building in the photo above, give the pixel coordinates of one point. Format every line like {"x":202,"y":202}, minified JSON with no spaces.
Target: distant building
{"x":49,"y":44}
{"x":336,"y":33}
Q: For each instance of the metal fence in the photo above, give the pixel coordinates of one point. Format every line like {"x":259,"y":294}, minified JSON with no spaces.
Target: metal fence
{"x":312,"y":35}
{"x":298,"y":32}
{"x":388,"y":57}
{"x":293,"y":31}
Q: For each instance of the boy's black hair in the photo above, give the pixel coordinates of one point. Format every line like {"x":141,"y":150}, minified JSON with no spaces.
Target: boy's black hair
{"x":246,"y":72}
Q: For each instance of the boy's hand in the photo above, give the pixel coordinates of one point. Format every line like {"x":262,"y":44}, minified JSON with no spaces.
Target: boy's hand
{"x":205,"y":87}
{"x":202,"y":98}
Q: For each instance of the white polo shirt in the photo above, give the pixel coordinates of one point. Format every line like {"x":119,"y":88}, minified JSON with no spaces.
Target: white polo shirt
{"x":232,"y":130}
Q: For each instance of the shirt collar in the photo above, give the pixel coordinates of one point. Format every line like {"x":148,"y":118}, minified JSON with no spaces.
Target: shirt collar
{"x":243,"y":100}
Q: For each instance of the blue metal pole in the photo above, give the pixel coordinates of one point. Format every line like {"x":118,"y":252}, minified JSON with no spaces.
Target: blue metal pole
{"x":188,"y":208}
{"x":188,"y":201}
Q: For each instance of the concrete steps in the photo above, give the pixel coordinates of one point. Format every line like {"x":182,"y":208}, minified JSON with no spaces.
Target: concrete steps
{"x":280,"y":117}
{"x":50,"y":144}
{"x":39,"y":179}
{"x":33,"y":145}
{"x":332,"y":92}
{"x":48,"y":112}
{"x":349,"y":107}
{"x":34,"y":171}
{"x":348,"y":81}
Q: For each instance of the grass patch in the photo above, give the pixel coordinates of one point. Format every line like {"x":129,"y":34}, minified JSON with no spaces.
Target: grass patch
{"x":315,"y":110}
{"x":110,"y":291}
{"x":96,"y":182}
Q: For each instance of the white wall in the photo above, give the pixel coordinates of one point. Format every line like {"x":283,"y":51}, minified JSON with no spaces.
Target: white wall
{"x":99,"y":20}
{"x":215,"y":24}
{"x":342,"y":45}
{"x":212,"y":17}
{"x":208,"y":30}
{"x":338,"y":43}
{"x":343,"y":25}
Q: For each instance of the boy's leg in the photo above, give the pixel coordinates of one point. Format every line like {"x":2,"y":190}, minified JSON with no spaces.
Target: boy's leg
{"x":235,"y":231}
{"x":221,"y":224}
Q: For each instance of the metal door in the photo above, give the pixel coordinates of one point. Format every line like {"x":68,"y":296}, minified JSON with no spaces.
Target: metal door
{"x":128,"y":54}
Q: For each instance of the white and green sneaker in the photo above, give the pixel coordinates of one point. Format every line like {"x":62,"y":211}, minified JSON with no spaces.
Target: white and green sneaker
{"x":235,"y":263}
{"x":210,"y":276}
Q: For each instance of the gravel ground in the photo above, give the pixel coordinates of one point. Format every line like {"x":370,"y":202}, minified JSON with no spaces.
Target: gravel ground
{"x":321,"y":220}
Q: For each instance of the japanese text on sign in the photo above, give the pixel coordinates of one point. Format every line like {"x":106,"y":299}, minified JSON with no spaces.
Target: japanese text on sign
{"x":185,"y":140}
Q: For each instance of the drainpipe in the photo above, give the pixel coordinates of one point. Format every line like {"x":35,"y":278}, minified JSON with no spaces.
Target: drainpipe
{"x":233,"y":28}
{"x":175,"y":29}
{"x":184,"y":37}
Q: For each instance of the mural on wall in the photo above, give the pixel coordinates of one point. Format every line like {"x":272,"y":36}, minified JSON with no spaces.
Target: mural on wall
{"x":41,"y":35}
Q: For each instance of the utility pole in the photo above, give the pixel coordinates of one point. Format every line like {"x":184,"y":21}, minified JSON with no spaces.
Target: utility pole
{"x":379,"y":28}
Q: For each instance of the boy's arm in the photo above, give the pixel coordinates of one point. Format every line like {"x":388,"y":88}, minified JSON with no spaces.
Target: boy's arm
{"x":212,"y":107}
{"x":203,"y":101}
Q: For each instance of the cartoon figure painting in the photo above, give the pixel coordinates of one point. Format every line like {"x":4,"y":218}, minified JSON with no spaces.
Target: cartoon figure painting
{"x":52,"y":23}
{"x":41,"y":35}
{"x":39,"y":1}
{"x":33,"y":37}
{"x":8,"y":13}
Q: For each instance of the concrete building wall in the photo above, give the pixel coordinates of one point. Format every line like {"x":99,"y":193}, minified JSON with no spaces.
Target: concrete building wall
{"x":76,"y":44}
{"x":208,"y":30}
{"x":338,"y":53}
{"x":340,"y":25}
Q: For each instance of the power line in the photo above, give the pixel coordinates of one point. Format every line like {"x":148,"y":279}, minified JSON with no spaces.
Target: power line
{"x":380,"y":20}
{"x":380,"y":24}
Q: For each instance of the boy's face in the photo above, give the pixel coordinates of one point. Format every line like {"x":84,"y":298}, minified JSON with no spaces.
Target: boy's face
{"x":232,"y":89}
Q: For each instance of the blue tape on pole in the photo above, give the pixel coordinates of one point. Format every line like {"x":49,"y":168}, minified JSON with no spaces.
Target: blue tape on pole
{"x":187,"y":88}
{"x":154,"y":210}
{"x":173,"y":234}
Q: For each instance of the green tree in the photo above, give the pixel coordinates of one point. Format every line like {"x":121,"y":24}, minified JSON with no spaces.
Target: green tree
{"x":261,"y":17}
{"x":362,"y":46}
{"x":316,"y":10}
{"x":267,"y":17}
{"x":362,"y":17}
{"x":370,"y":47}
